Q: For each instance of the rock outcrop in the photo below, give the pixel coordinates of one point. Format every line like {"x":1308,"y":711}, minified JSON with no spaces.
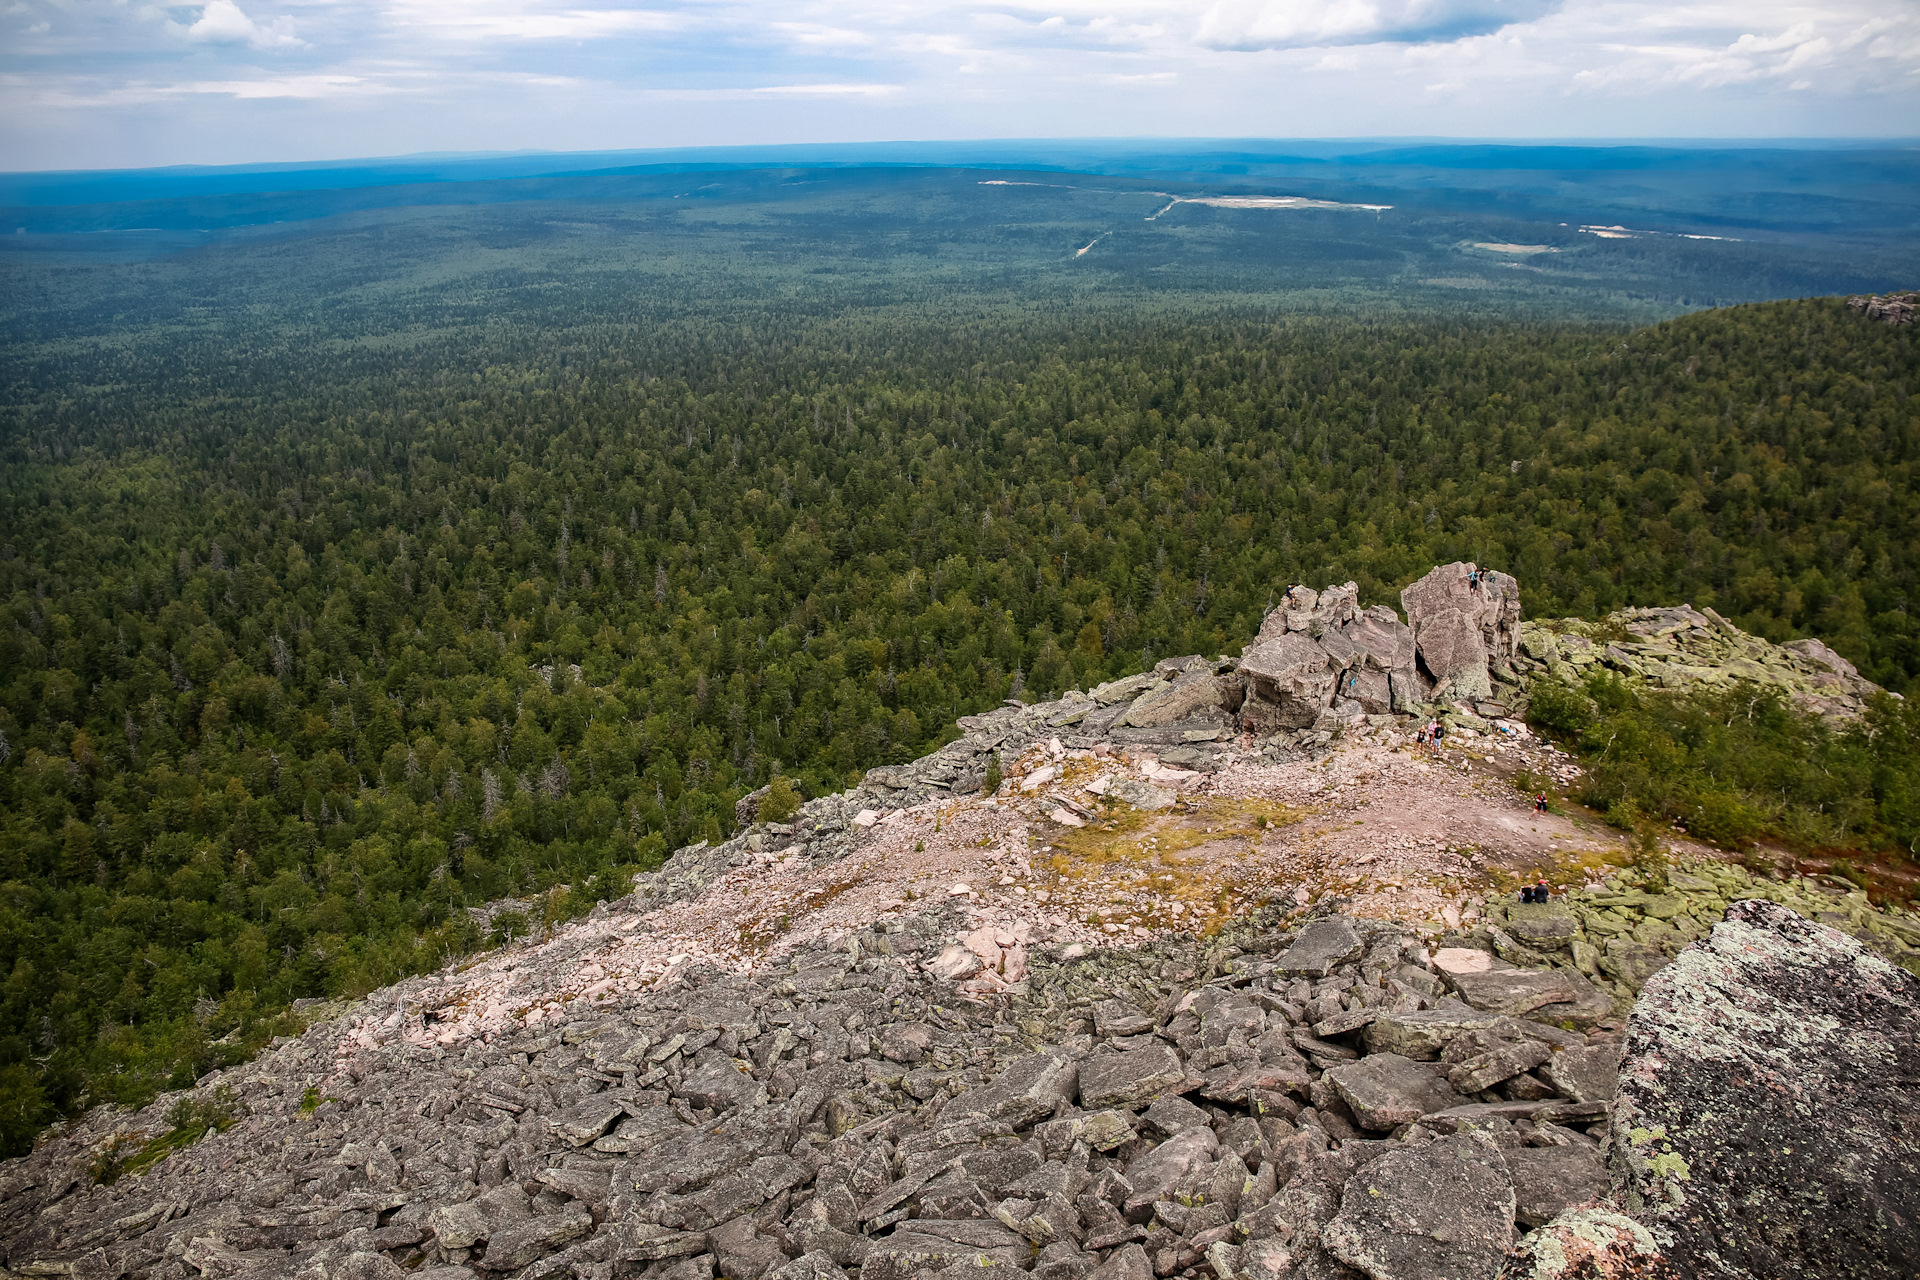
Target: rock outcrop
{"x":1681,"y":648}
{"x":1464,"y":619}
{"x":1894,"y":308}
{"x":1767,"y":1121}
{"x":1321,"y":661}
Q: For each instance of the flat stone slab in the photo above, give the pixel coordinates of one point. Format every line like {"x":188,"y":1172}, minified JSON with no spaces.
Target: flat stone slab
{"x":1483,"y":1071}
{"x":1154,"y":1173}
{"x":1554,"y":993}
{"x":1341,"y":1023}
{"x":519,"y":1243}
{"x":1385,"y":1090}
{"x":1119,"y":1018}
{"x":1129,"y":1079}
{"x":1174,"y":1114}
{"x":1544,"y":924}
{"x":1321,"y":947}
{"x":1590,"y":1074}
{"x":1452,"y":960}
{"x":1024,"y":1092}
{"x":586,"y":1121}
{"x":1440,"y":1210}
{"x":909,"y":1252}
{"x":1470,"y":1114}
{"x":1422,"y":1035}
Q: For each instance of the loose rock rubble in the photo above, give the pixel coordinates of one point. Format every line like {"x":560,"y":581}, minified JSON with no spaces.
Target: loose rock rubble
{"x":1220,"y":985}
{"x":1330,"y":1099}
{"x":1144,"y":1112}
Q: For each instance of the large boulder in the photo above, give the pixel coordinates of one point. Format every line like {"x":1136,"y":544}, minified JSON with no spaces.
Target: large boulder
{"x":1767,"y":1121}
{"x":1129,"y":1079}
{"x":1463,"y":617}
{"x":1321,"y":947}
{"x":1187,"y":696}
{"x":1029,"y":1089}
{"x":1385,"y":642}
{"x":1156,"y":1172}
{"x":1292,"y":676}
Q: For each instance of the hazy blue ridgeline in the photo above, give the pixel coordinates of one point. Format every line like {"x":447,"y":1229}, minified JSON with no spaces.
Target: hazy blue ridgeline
{"x":1860,"y":190}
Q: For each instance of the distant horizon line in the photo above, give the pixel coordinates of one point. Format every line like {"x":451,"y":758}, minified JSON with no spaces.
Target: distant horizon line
{"x":1663,"y":143}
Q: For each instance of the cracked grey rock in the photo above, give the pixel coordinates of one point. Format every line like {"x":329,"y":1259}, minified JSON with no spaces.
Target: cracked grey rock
{"x":1548,"y":1181}
{"x":1440,"y":1210}
{"x":1589,"y":1074}
{"x":1385,"y":1090}
{"x":1129,"y":1079}
{"x":1321,"y":947}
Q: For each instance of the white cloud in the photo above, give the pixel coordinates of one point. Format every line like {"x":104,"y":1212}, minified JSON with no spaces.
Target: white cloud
{"x":223,"y":22}
{"x":741,"y":93}
{"x":485,"y":74}
{"x":320,"y":86}
{"x":1838,"y":51}
{"x":517,"y":20}
{"x":1293,"y":24}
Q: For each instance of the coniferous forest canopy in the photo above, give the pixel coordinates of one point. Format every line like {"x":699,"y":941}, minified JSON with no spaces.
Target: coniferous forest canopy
{"x":353,"y":577}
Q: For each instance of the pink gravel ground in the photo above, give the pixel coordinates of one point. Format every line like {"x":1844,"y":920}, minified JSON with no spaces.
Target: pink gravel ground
{"x":1395,"y":830}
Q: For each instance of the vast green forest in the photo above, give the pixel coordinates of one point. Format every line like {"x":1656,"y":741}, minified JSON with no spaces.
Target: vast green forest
{"x":342,"y":590}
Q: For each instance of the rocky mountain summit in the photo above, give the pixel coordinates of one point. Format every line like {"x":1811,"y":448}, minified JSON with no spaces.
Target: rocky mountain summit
{"x":1212,"y":988}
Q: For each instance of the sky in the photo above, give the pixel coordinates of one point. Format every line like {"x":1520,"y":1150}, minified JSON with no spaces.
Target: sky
{"x":129,"y":83}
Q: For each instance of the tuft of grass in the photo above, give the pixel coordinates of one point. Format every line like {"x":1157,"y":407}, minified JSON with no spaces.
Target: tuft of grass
{"x":188,"y":1122}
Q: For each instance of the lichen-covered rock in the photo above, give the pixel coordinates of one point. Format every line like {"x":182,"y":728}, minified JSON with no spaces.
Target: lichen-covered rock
{"x":1188,"y":695}
{"x":1632,"y":962}
{"x":1600,"y":1243}
{"x":1423,"y":1033}
{"x":1291,"y":676}
{"x":1768,"y":1116}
